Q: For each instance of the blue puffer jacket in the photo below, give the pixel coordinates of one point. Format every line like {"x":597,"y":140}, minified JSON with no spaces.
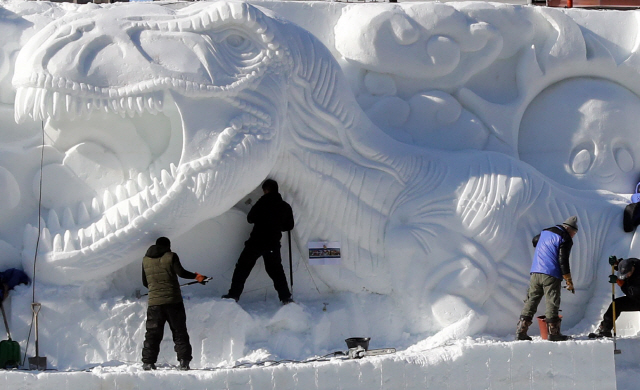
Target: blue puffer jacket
{"x":553,"y":246}
{"x":635,"y":198}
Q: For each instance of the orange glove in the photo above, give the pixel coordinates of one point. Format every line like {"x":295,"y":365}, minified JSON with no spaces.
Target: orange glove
{"x":200,"y":278}
{"x":569,"y":281}
{"x":620,"y":282}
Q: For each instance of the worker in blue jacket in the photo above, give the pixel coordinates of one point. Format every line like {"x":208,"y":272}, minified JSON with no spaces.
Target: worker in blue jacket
{"x":550,"y":266}
{"x":631,"y":215}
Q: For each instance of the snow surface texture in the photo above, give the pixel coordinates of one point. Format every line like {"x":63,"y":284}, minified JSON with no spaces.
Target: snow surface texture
{"x":461,"y":365}
{"x":433,"y":141}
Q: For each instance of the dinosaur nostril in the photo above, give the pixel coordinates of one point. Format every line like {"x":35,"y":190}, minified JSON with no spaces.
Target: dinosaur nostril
{"x":581,"y":162}
{"x":624,"y":159}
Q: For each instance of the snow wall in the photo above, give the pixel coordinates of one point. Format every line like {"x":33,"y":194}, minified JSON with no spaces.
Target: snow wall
{"x":430,"y":141}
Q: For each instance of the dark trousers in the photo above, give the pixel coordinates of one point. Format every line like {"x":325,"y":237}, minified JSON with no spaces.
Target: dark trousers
{"x":543,"y":285}
{"x":157,"y":315}
{"x":272,"y":264}
{"x":622,"y":304}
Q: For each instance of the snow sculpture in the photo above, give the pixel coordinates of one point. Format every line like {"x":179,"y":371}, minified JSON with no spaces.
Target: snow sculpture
{"x":600,"y":152}
{"x":156,"y":122}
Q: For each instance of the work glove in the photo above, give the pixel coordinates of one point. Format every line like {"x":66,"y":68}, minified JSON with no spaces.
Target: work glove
{"x":569,"y":282}
{"x":613,"y":279}
{"x":620,"y":282}
{"x":613,"y":260}
{"x":201,"y":278}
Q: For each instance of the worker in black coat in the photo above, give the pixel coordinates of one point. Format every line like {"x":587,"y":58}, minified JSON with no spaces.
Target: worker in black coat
{"x":270,"y":216}
{"x":629,"y":281}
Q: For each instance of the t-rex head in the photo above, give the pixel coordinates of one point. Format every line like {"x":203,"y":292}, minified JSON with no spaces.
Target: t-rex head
{"x":155,"y":120}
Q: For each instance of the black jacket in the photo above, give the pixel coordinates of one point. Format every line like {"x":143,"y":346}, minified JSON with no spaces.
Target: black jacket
{"x":270,"y":217}
{"x":631,"y":286}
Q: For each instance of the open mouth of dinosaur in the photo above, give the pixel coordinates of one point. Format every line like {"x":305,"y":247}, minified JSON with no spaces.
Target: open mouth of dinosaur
{"x":111,"y":165}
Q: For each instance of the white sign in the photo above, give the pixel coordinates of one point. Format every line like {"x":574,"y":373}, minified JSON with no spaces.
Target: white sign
{"x":324,"y":252}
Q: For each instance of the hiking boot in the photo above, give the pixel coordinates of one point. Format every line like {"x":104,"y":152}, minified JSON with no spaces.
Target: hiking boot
{"x":603,"y":331}
{"x":148,"y":366}
{"x":184,"y":365}
{"x":523,"y":328}
{"x":227,"y":296}
{"x":554,"y":332}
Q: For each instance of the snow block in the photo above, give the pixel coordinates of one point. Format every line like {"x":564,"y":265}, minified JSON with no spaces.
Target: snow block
{"x":464,"y":364}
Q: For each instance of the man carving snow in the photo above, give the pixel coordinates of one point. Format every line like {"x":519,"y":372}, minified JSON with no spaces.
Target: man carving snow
{"x":160,"y":270}
{"x":271,"y":216}
{"x":629,"y":282}
{"x":550,"y":266}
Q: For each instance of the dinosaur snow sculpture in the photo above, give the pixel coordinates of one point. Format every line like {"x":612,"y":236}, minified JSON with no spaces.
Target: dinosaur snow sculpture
{"x":166,"y":118}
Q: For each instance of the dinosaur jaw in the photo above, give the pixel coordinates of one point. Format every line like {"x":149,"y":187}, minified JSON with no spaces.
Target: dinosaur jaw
{"x":191,"y":161}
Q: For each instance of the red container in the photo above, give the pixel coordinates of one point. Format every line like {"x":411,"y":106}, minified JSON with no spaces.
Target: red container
{"x":544,"y":329}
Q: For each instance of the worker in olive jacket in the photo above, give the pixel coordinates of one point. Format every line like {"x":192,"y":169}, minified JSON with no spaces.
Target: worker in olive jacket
{"x":160,"y":271}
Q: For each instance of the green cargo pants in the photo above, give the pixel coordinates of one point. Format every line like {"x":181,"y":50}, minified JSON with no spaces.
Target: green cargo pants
{"x":543,"y":285}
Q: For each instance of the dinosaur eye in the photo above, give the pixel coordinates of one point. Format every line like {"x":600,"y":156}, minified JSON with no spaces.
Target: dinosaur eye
{"x":624,"y":159}
{"x":235,"y":40}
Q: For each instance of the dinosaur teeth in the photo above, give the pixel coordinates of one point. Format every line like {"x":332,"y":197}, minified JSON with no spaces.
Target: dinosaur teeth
{"x":132,"y":212}
{"x":121,"y":193}
{"x":158,"y":189}
{"x":143,"y":180}
{"x":67,"y":219}
{"x":225,"y":11}
{"x":119,"y":221}
{"x":132,"y":188}
{"x":197,"y":24}
{"x":105,"y":227}
{"x":57,"y":243}
{"x":83,"y":214}
{"x":238,"y":11}
{"x":96,"y":210}
{"x":167,"y":179}
{"x":45,"y":240}
{"x":69,"y":242}
{"x":107,"y":200}
{"x":53,"y":222}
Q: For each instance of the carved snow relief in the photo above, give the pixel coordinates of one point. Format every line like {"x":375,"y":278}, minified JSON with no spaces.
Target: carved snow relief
{"x":460,"y":131}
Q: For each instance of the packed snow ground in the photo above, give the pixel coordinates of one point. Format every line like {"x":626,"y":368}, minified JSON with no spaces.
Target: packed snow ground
{"x":268,"y":346}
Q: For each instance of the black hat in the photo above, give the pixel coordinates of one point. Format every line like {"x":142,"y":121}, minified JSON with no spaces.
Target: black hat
{"x":572,"y":222}
{"x":624,"y":267}
{"x":163,"y":242}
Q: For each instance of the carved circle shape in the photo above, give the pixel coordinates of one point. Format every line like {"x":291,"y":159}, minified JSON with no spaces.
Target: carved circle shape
{"x":581,"y":133}
{"x":444,"y":53}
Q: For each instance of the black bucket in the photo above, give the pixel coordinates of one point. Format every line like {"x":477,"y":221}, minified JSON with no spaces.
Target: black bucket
{"x":355,"y":342}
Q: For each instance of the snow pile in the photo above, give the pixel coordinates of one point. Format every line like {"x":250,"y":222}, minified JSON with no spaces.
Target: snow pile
{"x":461,"y":365}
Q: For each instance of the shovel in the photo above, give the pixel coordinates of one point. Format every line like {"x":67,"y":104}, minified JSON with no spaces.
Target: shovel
{"x":38,"y":362}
